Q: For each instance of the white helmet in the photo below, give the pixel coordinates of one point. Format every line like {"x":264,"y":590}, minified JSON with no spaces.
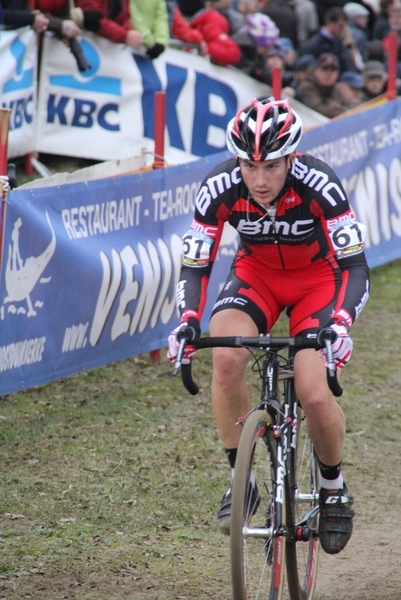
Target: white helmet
{"x":264,"y":130}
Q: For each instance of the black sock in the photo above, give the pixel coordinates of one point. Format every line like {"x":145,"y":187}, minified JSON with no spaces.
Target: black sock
{"x":330,"y":472}
{"x":231,"y":454}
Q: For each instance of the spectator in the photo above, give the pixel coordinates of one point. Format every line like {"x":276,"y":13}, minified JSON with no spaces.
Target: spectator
{"x":109,"y":19}
{"x":376,"y":51}
{"x":358,"y":17}
{"x":182,"y":30}
{"x":307,"y":19}
{"x":234,"y":17}
{"x":394,"y":22}
{"x":64,"y":27}
{"x":318,"y":90}
{"x":214,"y":29}
{"x":58,"y":13}
{"x":374,"y":78}
{"x":330,"y":39}
{"x":150,"y":18}
{"x":275,"y":58}
{"x":17,"y":14}
{"x":290,"y":54}
{"x":283,"y":15}
{"x":350,"y":85}
{"x":302,"y":66}
{"x":381,"y":26}
{"x":247,"y":7}
{"x":257,"y":36}
{"x":57,"y":20}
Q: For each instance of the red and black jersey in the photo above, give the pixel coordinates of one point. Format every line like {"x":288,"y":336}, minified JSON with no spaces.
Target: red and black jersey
{"x":313,"y":225}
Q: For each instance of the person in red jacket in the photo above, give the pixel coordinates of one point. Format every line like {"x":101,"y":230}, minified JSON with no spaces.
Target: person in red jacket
{"x":182,"y":30}
{"x":213,"y":29}
{"x":61,"y":23}
{"x":114,"y":23}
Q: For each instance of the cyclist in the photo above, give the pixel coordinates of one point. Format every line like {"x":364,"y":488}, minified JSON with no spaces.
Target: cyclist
{"x":300,"y":250}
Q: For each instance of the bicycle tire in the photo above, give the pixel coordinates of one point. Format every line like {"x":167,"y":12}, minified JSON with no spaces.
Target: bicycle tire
{"x":257,"y":563}
{"x":302,"y":480}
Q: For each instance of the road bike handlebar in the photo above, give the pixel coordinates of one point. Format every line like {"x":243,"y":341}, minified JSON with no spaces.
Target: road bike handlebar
{"x":262,"y":342}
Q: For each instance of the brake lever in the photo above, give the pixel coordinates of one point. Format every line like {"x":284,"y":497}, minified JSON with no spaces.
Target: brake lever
{"x":330,"y":360}
{"x":178,"y":358}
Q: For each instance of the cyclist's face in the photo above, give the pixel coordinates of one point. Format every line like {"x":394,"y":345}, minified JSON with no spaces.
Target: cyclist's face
{"x":265,"y":180}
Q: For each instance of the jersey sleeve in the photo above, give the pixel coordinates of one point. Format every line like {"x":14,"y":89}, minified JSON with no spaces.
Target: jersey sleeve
{"x":346,"y":238}
{"x":200,"y":246}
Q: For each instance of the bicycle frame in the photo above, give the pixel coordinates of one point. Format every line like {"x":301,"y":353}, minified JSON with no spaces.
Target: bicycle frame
{"x":272,"y":430}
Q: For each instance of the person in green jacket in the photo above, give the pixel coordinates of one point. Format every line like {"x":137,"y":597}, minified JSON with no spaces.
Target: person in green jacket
{"x":150,"y":18}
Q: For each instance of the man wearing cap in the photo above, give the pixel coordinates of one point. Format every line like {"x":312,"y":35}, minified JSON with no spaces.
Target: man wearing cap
{"x":318,"y":90}
{"x":374,"y":78}
{"x":350,"y":85}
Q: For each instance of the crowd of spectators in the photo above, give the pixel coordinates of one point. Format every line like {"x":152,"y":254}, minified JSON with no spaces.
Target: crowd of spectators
{"x":332,"y":54}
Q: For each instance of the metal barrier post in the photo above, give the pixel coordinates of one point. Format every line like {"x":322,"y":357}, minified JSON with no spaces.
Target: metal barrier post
{"x":4,"y":128}
{"x":160,"y":124}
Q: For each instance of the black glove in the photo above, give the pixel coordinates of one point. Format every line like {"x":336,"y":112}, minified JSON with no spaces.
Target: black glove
{"x":155,"y":51}
{"x":92,"y":20}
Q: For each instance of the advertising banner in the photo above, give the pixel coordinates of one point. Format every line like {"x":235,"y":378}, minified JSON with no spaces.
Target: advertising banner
{"x":18,"y":81}
{"x":90,"y":271}
{"x":108,"y":110}
{"x":365,"y":151}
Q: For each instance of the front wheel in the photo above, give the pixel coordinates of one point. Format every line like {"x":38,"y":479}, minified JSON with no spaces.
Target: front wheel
{"x":303,"y":512}
{"x":257,"y":533}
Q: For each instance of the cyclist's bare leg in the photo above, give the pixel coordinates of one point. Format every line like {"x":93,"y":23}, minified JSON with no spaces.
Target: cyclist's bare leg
{"x":325,"y":418}
{"x":230,"y":397}
{"x":326,"y":427}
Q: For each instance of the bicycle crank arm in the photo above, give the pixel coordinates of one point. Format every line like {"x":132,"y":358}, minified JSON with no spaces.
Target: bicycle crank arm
{"x":310,"y":514}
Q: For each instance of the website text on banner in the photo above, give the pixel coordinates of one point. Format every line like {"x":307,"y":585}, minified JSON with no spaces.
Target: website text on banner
{"x":90,"y":271}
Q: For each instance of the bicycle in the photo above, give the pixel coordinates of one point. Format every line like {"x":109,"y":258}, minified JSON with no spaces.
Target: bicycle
{"x":279,"y":533}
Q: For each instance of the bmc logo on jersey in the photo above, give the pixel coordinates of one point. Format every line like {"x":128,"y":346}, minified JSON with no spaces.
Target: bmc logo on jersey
{"x":319,"y":181}
{"x":300,"y":227}
{"x":215,"y":186}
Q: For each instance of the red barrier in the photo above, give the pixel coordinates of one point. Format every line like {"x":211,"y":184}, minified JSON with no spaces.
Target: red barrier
{"x":276,"y":83}
{"x":160,"y":124}
{"x":4,"y":128}
{"x":392,"y":49}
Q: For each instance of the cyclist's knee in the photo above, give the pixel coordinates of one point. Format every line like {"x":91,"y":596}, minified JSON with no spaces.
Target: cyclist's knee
{"x":229,"y":364}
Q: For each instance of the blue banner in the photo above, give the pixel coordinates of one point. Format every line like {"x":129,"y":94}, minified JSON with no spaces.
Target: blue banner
{"x":90,"y":271}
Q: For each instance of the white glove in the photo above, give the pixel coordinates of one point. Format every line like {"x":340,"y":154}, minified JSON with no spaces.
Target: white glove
{"x":173,"y":345}
{"x":342,"y":347}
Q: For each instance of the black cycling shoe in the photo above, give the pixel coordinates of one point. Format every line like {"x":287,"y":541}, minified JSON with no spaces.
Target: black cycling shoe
{"x":224,"y":513}
{"x":335,"y":523}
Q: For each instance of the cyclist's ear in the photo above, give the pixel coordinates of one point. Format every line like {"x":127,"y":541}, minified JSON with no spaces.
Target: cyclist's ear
{"x":291,"y":158}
